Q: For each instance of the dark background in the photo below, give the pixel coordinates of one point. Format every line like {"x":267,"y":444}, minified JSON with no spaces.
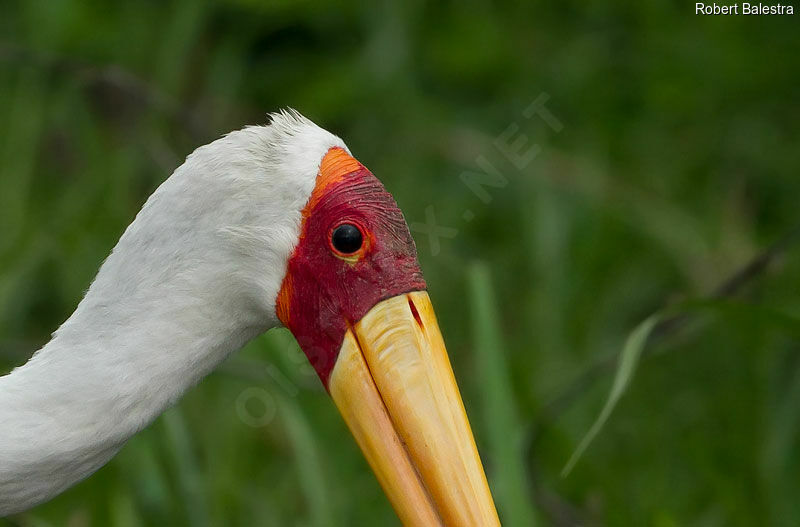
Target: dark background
{"x":670,"y":161}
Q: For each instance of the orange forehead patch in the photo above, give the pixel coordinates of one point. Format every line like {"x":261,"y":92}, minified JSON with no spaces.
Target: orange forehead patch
{"x":334,"y":167}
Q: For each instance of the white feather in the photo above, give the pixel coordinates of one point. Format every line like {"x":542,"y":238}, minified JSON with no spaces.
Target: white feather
{"x":192,"y":279}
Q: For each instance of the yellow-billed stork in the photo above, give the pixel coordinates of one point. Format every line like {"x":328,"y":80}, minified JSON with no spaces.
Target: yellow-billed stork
{"x":269,"y":225}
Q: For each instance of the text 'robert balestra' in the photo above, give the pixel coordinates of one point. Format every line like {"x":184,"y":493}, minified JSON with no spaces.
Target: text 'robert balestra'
{"x":742,"y":9}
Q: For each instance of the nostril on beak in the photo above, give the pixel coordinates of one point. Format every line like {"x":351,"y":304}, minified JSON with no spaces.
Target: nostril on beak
{"x":415,"y":312}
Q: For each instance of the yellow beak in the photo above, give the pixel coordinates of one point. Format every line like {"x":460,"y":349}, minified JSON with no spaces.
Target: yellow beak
{"x":394,"y":386}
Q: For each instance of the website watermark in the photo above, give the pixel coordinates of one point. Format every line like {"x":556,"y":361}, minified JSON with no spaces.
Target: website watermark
{"x":516,"y":148}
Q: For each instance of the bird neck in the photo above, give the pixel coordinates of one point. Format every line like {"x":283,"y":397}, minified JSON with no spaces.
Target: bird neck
{"x":116,"y":364}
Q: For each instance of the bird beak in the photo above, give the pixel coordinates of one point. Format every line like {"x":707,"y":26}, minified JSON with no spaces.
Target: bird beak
{"x":394,"y":386}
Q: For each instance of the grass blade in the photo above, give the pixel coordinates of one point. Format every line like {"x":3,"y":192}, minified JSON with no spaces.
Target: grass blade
{"x":512,"y":490}
{"x":628,"y":360}
{"x":179,"y":443}
{"x":309,"y":465}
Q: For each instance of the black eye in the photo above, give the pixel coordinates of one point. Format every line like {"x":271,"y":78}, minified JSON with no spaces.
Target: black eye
{"x":347,"y":238}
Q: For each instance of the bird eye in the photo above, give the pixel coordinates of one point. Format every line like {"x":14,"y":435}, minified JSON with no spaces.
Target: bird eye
{"x":347,"y":238}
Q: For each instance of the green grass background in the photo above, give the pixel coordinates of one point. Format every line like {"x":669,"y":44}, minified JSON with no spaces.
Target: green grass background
{"x":677,"y":163}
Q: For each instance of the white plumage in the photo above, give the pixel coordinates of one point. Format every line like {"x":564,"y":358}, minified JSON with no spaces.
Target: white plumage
{"x":192,"y":279}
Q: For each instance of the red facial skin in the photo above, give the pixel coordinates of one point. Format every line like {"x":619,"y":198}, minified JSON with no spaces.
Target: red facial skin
{"x":324,"y":292}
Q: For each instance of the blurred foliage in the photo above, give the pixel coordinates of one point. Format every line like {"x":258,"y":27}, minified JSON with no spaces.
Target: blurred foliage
{"x":678,"y":162}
